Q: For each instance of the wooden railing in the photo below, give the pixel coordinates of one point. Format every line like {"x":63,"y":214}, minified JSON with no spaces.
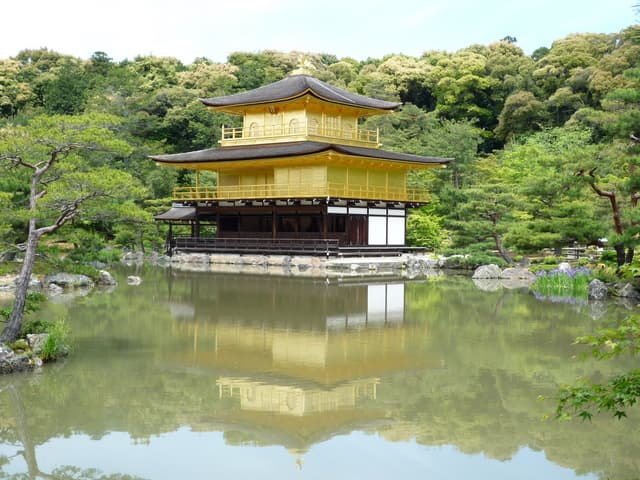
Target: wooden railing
{"x":299,"y":246}
{"x":276,"y":191}
{"x":355,"y":136}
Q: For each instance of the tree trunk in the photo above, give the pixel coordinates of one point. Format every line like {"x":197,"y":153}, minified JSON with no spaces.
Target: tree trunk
{"x":620,"y":256}
{"x":503,"y":253}
{"x":629,"y":257}
{"x":12,"y":330}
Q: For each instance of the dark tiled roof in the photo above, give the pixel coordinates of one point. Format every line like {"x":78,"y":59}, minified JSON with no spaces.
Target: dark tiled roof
{"x":177,"y":213}
{"x":289,"y":149}
{"x":295,"y":86}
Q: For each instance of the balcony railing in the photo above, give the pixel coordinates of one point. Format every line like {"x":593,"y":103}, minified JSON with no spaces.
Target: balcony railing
{"x":263,"y":133}
{"x":275,"y":191}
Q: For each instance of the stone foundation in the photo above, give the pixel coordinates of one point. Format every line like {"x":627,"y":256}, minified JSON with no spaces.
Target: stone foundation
{"x":308,"y":266}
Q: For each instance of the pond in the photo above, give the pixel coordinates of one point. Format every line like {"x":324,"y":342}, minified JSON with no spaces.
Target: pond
{"x":205,"y":375}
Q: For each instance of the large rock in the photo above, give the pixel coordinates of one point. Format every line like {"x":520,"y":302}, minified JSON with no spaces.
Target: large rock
{"x":564,"y":267}
{"x":105,"y":278}
{"x":420,"y":263}
{"x":487,"y":271}
{"x":629,"y":291}
{"x":10,"y":362}
{"x":133,"y":257}
{"x":517,"y":274}
{"x":68,"y":280}
{"x":37,"y":341}
{"x":598,"y":290}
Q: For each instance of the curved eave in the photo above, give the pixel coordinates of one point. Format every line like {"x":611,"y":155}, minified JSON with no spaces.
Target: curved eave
{"x":226,"y":157}
{"x":240,"y":108}
{"x":294,"y":87}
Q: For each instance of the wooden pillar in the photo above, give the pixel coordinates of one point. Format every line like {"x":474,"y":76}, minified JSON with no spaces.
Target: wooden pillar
{"x":347,"y":228}
{"x":324,"y":219}
{"x":274,"y":220}
{"x":217,"y":223}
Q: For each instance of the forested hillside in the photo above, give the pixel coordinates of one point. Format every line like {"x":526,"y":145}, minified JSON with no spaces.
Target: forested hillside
{"x":546,"y":145}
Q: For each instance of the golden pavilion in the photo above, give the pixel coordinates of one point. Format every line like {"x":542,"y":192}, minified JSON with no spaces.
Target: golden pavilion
{"x":299,"y":176}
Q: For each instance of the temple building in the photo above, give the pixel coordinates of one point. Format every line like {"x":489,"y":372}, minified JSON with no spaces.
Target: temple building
{"x":300,"y":175}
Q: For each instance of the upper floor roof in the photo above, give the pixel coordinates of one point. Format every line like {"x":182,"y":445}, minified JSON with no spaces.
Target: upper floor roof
{"x":293,"y":87}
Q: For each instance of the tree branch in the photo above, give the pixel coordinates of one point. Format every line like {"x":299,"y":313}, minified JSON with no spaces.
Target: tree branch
{"x":68,"y":212}
{"x":17,"y":161}
{"x":610,"y":195}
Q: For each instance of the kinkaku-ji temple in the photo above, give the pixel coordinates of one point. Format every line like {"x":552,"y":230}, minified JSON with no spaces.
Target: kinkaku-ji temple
{"x":299,"y":176}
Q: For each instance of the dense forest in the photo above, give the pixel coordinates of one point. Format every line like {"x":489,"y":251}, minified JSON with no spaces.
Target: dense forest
{"x":546,"y":145}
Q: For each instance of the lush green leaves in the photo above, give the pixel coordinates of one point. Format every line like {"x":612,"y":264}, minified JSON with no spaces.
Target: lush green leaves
{"x":622,"y":391}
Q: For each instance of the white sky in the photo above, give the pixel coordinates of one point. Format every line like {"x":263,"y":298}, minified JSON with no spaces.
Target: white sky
{"x":188,"y":29}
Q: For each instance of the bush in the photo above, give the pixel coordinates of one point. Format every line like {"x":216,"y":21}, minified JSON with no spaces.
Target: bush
{"x":56,"y":265}
{"x":551,"y":260}
{"x":32,"y":304}
{"x":109,"y":256}
{"x":57,"y":344}
{"x":609,"y":256}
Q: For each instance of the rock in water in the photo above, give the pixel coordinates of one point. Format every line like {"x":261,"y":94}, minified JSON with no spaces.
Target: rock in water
{"x":133,"y":280}
{"x":517,"y":274}
{"x":628,"y":291}
{"x":37,"y":341}
{"x":106,"y":278}
{"x":68,"y":280}
{"x":597,"y":290}
{"x":487,"y":271}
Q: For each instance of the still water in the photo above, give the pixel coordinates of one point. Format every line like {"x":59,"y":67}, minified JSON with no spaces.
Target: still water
{"x":204,"y":375}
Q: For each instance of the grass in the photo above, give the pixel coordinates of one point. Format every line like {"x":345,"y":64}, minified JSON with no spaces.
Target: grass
{"x":570,"y":283}
{"x":57,"y":344}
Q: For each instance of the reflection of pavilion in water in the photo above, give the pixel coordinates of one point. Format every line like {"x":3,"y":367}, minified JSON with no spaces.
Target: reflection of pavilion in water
{"x":295,"y":400}
{"x":301,"y":360}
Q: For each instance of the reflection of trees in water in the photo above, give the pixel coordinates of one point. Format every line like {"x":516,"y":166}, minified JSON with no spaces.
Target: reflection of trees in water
{"x":28,"y":451}
{"x":495,"y":352}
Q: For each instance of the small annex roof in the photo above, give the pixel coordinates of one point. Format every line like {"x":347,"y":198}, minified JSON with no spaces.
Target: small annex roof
{"x":289,"y":149}
{"x":178,"y":213}
{"x":296,"y":86}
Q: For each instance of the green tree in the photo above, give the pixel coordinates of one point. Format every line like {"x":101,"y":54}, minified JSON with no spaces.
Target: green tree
{"x":522,"y":113}
{"x":554,"y":210}
{"x":66,"y":160}
{"x":622,"y":391}
{"x":484,"y":210}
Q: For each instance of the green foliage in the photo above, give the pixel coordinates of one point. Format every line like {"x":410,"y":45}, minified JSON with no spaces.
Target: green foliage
{"x":608,"y":256}
{"x":425,"y":230}
{"x":572,"y":283}
{"x":54,"y":264}
{"x":57,"y":345}
{"x":462,"y":105}
{"x":622,"y":391}
{"x":33,"y":303}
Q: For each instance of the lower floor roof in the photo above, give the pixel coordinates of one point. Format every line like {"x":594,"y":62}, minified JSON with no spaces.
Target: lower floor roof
{"x":289,"y":149}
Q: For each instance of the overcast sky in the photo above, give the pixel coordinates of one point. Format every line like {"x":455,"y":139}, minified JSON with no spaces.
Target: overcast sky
{"x":188,"y":29}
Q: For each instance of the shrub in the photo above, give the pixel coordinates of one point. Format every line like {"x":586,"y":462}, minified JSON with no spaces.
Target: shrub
{"x":609,"y":256}
{"x":57,"y":344}
{"x":550,"y":260}
{"x":32,"y":304}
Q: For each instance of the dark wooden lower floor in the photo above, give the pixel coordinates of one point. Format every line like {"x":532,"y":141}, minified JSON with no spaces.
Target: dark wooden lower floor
{"x":281,"y":246}
{"x":322,"y":228}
